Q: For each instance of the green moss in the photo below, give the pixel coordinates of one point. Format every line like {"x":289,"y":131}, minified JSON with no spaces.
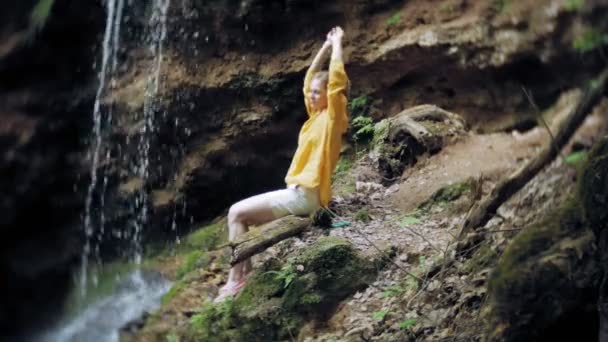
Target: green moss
{"x":485,"y":256}
{"x":543,"y":273}
{"x":175,"y":289}
{"x":267,"y":310}
{"x":362,"y":215}
{"x":194,"y":260}
{"x":40,"y":14}
{"x":343,"y":180}
{"x":590,"y":40}
{"x":574,"y":5}
{"x":207,"y":237}
{"x":447,"y":194}
{"x":593,"y":186}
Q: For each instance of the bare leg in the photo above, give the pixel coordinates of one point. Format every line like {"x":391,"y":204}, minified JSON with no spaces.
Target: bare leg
{"x":251,"y":211}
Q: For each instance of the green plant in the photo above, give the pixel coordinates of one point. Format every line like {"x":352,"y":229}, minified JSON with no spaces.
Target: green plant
{"x":407,"y":220}
{"x":40,"y":14}
{"x":364,"y":128}
{"x":362,"y":215}
{"x":575,"y":157}
{"x":379,"y":315}
{"x":171,"y":337}
{"x":287,"y":274}
{"x":393,"y":291}
{"x":501,"y":6}
{"x":359,"y":106}
{"x":447,"y":8}
{"x":574,"y":5}
{"x":407,"y":324}
{"x":193,"y":260}
{"x":394,"y":19}
{"x":589,"y":41}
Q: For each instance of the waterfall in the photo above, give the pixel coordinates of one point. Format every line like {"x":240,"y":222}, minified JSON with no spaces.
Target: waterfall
{"x":139,"y":291}
{"x":158,"y":34}
{"x":109,"y":48}
{"x":94,"y":216}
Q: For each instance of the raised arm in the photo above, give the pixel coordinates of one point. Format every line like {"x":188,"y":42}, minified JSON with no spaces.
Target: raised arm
{"x":338,"y":82}
{"x":314,"y":67}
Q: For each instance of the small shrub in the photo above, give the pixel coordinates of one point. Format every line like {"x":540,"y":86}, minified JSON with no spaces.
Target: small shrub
{"x":574,"y":5}
{"x":589,"y":41}
{"x":380,"y":315}
{"x":407,"y":324}
{"x":394,"y":19}
{"x":364,"y":128}
{"x":362,"y":215}
{"x":501,"y":6}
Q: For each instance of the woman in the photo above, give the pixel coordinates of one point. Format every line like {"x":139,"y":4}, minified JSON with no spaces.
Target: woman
{"x":309,"y":176}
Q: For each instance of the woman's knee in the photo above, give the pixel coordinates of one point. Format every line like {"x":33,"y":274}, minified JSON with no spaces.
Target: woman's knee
{"x":236,"y":213}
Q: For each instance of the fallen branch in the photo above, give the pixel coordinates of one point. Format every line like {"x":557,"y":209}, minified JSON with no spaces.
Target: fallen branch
{"x":258,"y":239}
{"x":481,"y":212}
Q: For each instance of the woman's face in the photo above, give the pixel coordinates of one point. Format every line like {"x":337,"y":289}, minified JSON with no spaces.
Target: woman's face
{"x":317,"y":97}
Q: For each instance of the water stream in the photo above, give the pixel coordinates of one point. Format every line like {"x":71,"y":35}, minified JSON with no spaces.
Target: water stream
{"x":134,"y":294}
{"x":139,"y":291}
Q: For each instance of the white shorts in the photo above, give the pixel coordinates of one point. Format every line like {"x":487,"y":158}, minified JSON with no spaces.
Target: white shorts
{"x":295,"y":200}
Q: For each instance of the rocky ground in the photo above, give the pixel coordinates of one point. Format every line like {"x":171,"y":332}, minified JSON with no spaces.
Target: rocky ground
{"x":426,"y":292}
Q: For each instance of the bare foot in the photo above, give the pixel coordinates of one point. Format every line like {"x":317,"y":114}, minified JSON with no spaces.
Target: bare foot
{"x":231,"y":289}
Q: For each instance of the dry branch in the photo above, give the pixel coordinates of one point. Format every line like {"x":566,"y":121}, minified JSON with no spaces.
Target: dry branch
{"x":481,"y":212}
{"x":258,"y":239}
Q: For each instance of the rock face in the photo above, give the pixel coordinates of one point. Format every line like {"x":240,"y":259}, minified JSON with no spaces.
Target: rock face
{"x":550,"y":276}
{"x":230,"y":105}
{"x":45,"y":105}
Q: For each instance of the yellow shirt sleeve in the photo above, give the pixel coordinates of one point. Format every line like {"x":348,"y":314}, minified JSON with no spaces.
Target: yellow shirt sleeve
{"x":307,"y":79}
{"x":336,"y":95}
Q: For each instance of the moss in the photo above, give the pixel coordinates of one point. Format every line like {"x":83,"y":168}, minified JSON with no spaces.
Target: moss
{"x":267,"y":309}
{"x":593,"y":187}
{"x":448,"y":194}
{"x":543,"y":274}
{"x":193,"y":260}
{"x":362,"y":215}
{"x":40,"y":14}
{"x":343,"y":179}
{"x":206,"y":237}
{"x":485,"y":256}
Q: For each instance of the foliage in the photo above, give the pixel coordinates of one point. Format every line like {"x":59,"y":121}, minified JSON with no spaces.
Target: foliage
{"x":393,"y":291}
{"x":380,"y":315}
{"x":501,"y":6}
{"x":40,"y":14}
{"x":590,"y":40}
{"x":447,"y":8}
{"x":394,"y":19}
{"x":407,"y":324}
{"x":575,"y":157}
{"x":574,"y":5}
{"x":275,"y":303}
{"x":407,"y":220}
{"x":362,"y":215}
{"x":364,"y":126}
{"x":287,"y":273}
{"x":194,"y":259}
{"x":342,"y":179}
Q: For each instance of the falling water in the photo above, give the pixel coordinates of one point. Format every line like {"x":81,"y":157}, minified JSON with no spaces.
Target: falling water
{"x":110,"y":46}
{"x":140,"y":291}
{"x":158,"y":34}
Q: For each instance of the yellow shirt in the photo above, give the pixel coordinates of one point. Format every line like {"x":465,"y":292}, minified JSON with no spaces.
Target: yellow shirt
{"x":321,"y":136}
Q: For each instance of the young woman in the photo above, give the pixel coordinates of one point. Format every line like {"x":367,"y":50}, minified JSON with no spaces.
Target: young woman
{"x":309,"y":176}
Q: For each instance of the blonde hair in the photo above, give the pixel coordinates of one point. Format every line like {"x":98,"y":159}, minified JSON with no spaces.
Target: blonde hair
{"x":323,"y":76}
